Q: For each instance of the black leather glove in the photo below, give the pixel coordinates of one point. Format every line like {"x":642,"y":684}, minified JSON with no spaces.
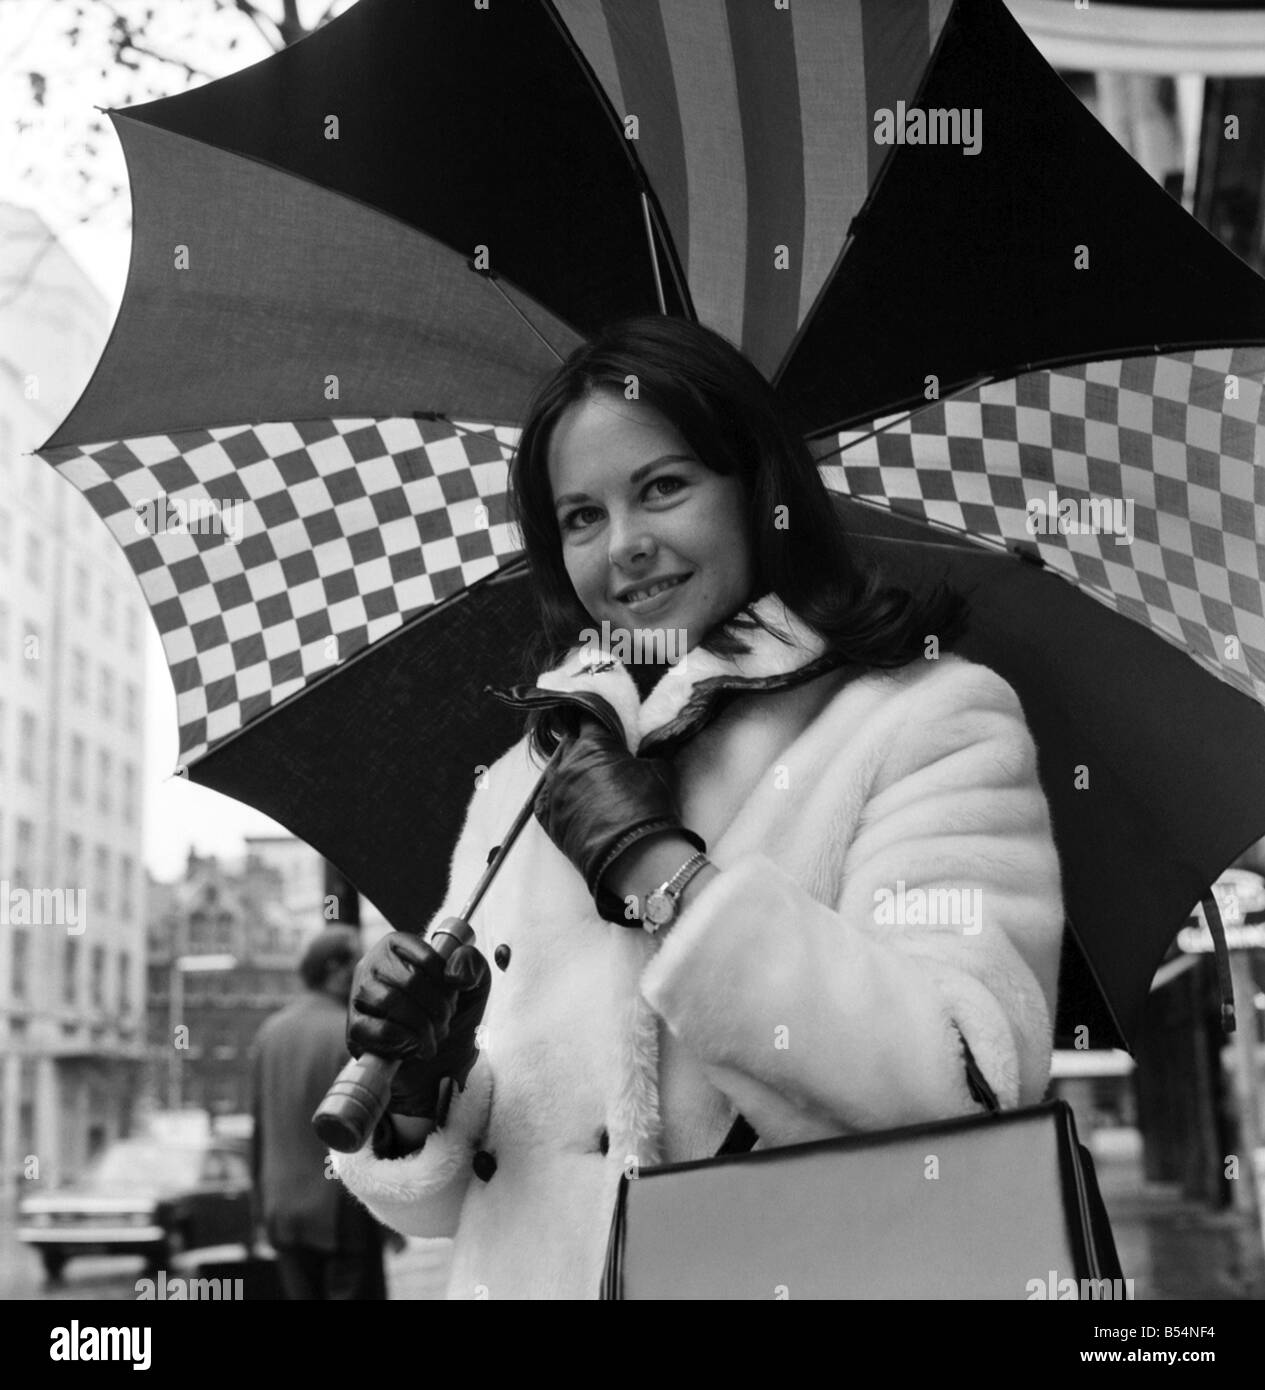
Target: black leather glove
{"x":407,"y":1003}
{"x":598,"y":799}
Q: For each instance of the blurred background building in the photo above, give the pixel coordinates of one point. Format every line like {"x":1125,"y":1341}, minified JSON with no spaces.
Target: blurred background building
{"x":222,"y":948}
{"x":1182,"y":88}
{"x":71,"y":739}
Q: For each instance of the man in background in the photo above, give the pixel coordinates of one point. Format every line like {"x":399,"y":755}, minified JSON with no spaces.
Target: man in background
{"x":327,"y":1244}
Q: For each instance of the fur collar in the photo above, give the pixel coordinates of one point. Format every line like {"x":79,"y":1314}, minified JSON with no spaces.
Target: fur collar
{"x":688,"y":693}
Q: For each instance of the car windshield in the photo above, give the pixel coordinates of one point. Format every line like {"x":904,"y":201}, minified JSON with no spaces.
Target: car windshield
{"x":140,"y":1164}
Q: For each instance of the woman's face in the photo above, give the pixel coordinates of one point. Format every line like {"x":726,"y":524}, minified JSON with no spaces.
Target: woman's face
{"x":635,"y":507}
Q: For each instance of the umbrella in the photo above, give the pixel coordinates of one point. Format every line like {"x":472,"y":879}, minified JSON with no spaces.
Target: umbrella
{"x":353,"y":261}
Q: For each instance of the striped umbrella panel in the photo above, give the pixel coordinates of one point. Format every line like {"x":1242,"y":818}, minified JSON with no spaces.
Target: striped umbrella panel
{"x":271,"y":554}
{"x":1138,"y":478}
{"x":755,"y":124}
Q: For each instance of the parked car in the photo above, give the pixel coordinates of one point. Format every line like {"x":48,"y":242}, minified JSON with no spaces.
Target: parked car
{"x":145,"y":1197}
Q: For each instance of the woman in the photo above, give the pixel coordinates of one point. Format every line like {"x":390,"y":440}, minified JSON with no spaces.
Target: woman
{"x":801,"y":875}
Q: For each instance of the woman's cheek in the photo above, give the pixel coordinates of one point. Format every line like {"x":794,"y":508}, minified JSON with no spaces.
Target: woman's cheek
{"x":588,"y":584}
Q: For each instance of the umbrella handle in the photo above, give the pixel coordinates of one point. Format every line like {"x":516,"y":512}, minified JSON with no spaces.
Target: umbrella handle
{"x":358,"y":1099}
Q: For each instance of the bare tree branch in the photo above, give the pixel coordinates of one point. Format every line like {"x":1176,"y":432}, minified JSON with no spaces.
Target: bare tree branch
{"x":123,"y":39}
{"x":26,"y":276}
{"x":275,"y":38}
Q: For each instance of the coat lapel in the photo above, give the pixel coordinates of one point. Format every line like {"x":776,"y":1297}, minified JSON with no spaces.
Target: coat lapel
{"x":785,"y":652}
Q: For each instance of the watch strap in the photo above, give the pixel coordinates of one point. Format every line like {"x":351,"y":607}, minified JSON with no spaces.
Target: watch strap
{"x":679,"y":881}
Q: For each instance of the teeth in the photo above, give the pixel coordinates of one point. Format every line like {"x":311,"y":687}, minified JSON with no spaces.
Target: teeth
{"x":639,"y":594}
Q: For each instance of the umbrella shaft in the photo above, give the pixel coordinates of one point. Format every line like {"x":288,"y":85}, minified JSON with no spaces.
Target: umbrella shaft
{"x":494,"y":864}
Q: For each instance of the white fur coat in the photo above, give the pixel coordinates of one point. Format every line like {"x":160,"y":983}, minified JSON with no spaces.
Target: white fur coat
{"x":802,"y":986}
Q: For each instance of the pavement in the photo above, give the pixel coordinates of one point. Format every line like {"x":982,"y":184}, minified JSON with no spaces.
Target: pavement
{"x":1175,"y":1248}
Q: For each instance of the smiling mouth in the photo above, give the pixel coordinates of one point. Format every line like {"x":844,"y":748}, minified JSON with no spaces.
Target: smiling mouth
{"x":651,"y":590}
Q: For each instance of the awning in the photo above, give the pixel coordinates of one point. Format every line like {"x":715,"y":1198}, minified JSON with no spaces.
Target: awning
{"x":1216,"y":41}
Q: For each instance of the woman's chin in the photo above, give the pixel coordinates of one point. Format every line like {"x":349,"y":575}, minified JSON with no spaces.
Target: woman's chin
{"x":634,"y":641}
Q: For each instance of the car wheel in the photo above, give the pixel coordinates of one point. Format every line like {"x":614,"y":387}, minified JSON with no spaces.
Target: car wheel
{"x":54,"y":1265}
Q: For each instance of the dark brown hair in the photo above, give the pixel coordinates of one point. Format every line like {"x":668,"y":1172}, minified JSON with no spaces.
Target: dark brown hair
{"x":733,"y":421}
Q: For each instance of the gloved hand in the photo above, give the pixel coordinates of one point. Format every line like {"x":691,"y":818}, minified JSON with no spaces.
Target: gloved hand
{"x":407,"y":1003}
{"x":598,"y":799}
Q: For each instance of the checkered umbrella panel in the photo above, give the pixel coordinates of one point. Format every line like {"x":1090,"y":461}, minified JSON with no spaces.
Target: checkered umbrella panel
{"x":270,"y":554}
{"x":1139,"y":479}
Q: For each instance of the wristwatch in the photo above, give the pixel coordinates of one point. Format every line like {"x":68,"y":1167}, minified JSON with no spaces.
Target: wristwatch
{"x":660,"y":908}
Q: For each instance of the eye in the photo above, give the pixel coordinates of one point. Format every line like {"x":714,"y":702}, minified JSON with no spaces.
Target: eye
{"x":571,"y":521}
{"x":672,"y":482}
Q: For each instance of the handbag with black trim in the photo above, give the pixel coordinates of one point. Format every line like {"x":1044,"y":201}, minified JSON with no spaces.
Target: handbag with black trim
{"x":996,"y":1206}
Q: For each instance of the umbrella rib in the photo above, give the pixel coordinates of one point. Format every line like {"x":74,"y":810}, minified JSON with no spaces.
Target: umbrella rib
{"x":978,"y":540}
{"x":438,"y":415}
{"x":858,"y":217}
{"x":649,"y":200}
{"x":895,"y":420}
{"x":1045,"y":364}
{"x":654,"y":255}
{"x":514,"y":566}
{"x":494,"y":280}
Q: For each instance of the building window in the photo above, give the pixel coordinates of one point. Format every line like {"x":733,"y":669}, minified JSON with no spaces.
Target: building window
{"x":125,"y":983}
{"x":24,"y":854}
{"x":97,"y":995}
{"x":70,"y":971}
{"x":82,"y":598}
{"x":133,"y":704}
{"x":74,"y":860}
{"x":125,"y":886}
{"x":101,"y":880}
{"x":34,"y":558}
{"x":129,"y":794}
{"x":133,"y":620}
{"x":76,"y":767}
{"x":105,"y":774}
{"x":27,"y":747}
{"x":20,"y":962}
{"x":107,"y":693}
{"x":107,"y":610}
{"x":78,"y":676}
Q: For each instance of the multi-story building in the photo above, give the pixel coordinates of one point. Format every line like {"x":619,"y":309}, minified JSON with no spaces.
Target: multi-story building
{"x":72,"y":713}
{"x":202,"y":1021}
{"x":224,"y":944}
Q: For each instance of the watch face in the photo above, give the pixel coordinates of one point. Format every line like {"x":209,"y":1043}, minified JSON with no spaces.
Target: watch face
{"x":659,"y":909}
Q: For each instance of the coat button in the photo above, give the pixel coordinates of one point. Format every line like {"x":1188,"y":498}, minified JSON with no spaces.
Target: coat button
{"x":502,"y":956}
{"x":484,"y":1165}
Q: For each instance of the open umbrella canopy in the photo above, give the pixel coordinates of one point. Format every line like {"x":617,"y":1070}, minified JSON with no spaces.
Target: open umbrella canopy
{"x":332,"y":200}
{"x":354,"y":261}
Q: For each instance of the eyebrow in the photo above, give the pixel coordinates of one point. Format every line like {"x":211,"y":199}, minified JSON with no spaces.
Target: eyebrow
{"x":635,"y":477}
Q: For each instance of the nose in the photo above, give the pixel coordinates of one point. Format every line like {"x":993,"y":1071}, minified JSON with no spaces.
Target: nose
{"x":631,"y":543}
